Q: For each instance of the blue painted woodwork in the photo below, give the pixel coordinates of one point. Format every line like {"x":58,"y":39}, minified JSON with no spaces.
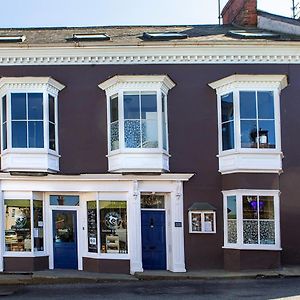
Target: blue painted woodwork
{"x":65,"y":239}
{"x":153,"y":240}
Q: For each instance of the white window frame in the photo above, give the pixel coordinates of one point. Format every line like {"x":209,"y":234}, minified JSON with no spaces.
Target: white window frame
{"x":202,"y":212}
{"x":239,"y":219}
{"x":137,"y":159}
{"x":240,"y":159}
{"x":48,"y":87}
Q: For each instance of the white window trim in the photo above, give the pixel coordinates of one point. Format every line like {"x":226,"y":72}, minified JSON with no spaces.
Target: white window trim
{"x":38,"y":156}
{"x":202,"y":212}
{"x":249,"y":159}
{"x":137,"y":159}
{"x":239,"y":194}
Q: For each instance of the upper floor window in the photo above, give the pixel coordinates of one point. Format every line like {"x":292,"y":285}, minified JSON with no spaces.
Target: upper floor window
{"x":249,"y":122}
{"x":137,"y":123}
{"x":29,"y":123}
{"x":251,"y":219}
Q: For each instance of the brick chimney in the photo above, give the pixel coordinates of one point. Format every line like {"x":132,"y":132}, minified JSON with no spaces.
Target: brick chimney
{"x":240,"y":12}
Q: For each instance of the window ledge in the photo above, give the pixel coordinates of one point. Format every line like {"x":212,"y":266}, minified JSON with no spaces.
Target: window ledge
{"x":263,"y":161}
{"x":253,"y":247}
{"x":30,"y":160}
{"x":146,"y":161}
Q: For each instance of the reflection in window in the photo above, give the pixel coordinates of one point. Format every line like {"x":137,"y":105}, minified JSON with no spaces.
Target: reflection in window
{"x":164,"y":121}
{"x":52,"y":122}
{"x":4,"y":123}
{"x":27,"y":120}
{"x":92,"y":226}
{"x":140,"y":120}
{"x":227,"y":121}
{"x":231,"y":220}
{"x":114,"y":123}
{"x":113,"y":226}
{"x":64,"y":200}
{"x":152,"y":201}
{"x":38,"y":225}
{"x":257,"y":119}
{"x":17,"y":225}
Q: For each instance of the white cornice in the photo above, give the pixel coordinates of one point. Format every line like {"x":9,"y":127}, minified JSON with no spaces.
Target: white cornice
{"x":249,"y":80}
{"x":136,"y":80}
{"x":100,"y":177}
{"x":248,"y":53}
{"x":31,"y":82}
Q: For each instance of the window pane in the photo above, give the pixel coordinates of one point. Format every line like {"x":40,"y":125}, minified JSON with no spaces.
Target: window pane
{"x":51,"y":136}
{"x":228,"y":136}
{"x":114,"y":113}
{"x":196,"y":222}
{"x":153,"y":201}
{"x":231,"y":207}
{"x":51,"y":109}
{"x":209,"y":225}
{"x":132,"y":133}
{"x":250,"y":207}
{"x":114,"y":135}
{"x":3,"y":109}
{"x":149,"y":120}
{"x":19,"y":134}
{"x":36,"y":134}
{"x":248,"y":134}
{"x":17,"y":225}
{"x":65,"y":200}
{"x":164,"y":121}
{"x":247,"y":105}
{"x":35,"y":106}
{"x":113,"y":228}
{"x":266,"y":134}
{"x":227,"y":107}
{"x":231,"y":232}
{"x":265,"y":105}
{"x":250,"y":232}
{"x":131,"y":106}
{"x":266,"y":207}
{"x":92,"y":226}
{"x":18,"y":106}
{"x":38,"y":226}
{"x":4,"y":136}
{"x":267,"y":232}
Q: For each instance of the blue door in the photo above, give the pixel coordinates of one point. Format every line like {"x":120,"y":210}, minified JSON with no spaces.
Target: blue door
{"x":153,"y":240}
{"x":65,"y":239}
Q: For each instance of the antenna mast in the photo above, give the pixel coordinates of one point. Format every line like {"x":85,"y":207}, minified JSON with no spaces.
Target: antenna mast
{"x":219,"y":11}
{"x":295,"y":9}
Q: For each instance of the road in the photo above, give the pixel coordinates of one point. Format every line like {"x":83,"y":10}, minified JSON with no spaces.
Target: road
{"x":171,"y":290}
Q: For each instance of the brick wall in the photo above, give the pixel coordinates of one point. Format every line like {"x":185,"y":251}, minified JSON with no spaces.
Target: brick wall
{"x":241,"y":12}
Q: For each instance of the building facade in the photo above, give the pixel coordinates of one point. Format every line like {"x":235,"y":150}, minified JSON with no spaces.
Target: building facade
{"x":126,"y":149}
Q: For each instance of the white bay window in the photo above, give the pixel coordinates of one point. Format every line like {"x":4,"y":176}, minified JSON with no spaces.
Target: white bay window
{"x":249,"y":123}
{"x":251,"y":220}
{"x":29,"y":124}
{"x":137,"y":123}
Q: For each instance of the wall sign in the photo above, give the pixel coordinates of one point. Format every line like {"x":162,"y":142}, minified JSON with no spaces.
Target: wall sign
{"x":178,"y":224}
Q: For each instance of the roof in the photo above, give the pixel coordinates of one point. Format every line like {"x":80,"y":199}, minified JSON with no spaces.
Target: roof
{"x":202,"y":206}
{"x":132,"y":35}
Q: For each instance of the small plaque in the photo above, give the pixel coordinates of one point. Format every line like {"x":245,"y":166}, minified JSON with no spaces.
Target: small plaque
{"x":178,"y":224}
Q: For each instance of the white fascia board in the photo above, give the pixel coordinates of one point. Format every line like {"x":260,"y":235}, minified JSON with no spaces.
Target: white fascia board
{"x":250,"y":79}
{"x":31,"y":80}
{"x":100,"y":177}
{"x":248,"y":52}
{"x":119,"y":79}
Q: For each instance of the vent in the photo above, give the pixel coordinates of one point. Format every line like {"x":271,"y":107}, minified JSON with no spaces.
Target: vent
{"x":91,"y":37}
{"x":12,"y":39}
{"x":243,"y":34}
{"x":164,"y":35}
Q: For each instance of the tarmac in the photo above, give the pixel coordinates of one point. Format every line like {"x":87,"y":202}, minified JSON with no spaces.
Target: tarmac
{"x":58,"y":276}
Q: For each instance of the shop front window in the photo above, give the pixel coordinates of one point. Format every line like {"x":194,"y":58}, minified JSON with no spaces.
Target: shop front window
{"x":92,"y":226}
{"x":38,"y":226}
{"x":113,"y":226}
{"x":17,"y":225}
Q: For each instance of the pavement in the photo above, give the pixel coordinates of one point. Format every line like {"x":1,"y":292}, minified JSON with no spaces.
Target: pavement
{"x":75,"y":276}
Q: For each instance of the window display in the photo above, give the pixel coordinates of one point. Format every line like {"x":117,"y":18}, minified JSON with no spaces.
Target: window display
{"x":92,"y":226}
{"x":202,"y":222}
{"x":17,"y":225}
{"x":113,"y":226}
{"x":38,"y":225}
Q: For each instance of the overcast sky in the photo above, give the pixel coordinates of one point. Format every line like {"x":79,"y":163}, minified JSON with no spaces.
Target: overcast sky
{"x":41,"y":13}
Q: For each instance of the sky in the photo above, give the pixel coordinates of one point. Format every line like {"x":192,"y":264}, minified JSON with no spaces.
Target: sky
{"x":55,"y":13}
